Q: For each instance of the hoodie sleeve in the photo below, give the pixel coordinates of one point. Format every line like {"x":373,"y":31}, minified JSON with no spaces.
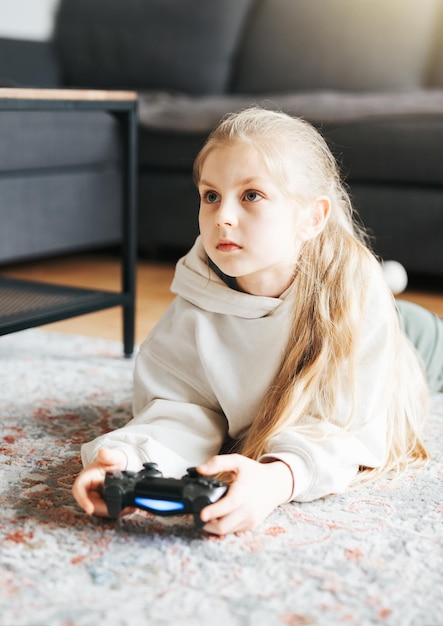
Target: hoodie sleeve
{"x":328,"y":461}
{"x":177,"y":422}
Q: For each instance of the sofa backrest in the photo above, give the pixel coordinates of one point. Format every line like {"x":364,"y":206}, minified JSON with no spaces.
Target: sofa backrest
{"x":27,"y":63}
{"x":250,"y":46}
{"x":173,"y":45}
{"x":297,"y":45}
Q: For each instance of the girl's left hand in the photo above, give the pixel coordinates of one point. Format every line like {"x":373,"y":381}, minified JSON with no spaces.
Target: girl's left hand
{"x":257,"y":489}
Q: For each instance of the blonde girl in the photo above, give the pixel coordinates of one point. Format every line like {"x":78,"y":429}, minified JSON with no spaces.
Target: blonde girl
{"x":283,"y":339}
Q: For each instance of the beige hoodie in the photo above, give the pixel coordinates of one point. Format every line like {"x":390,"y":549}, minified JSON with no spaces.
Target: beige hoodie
{"x":203,"y":372}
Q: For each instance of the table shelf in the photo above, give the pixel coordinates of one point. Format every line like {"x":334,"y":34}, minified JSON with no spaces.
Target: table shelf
{"x":25,"y":304}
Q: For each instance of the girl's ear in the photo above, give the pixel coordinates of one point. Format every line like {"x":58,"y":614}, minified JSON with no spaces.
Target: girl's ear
{"x":315,"y":218}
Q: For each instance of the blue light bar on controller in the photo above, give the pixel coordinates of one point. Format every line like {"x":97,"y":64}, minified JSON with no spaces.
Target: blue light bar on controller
{"x":159,"y":505}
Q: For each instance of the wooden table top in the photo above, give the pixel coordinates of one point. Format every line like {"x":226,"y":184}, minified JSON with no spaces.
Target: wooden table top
{"x":84,"y":95}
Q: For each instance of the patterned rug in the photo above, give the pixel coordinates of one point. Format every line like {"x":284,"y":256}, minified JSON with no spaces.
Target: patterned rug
{"x":372,"y":556}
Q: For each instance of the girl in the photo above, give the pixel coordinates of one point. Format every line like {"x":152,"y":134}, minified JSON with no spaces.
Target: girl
{"x":283,"y":337}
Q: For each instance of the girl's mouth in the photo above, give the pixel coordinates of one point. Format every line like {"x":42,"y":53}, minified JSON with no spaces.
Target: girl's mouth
{"x":227,"y":246}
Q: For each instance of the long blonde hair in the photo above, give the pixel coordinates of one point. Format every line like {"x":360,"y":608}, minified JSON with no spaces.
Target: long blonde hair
{"x":332,"y":273}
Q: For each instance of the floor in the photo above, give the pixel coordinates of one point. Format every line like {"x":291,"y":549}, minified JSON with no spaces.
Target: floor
{"x":153,"y":295}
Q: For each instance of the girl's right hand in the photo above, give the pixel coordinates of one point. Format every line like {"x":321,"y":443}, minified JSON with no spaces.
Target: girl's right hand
{"x":88,"y":485}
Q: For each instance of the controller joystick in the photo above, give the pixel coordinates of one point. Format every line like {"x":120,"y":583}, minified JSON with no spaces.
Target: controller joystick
{"x":150,"y":491}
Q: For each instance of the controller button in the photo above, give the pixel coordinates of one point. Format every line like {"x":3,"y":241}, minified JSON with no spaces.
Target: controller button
{"x":150,"y":466}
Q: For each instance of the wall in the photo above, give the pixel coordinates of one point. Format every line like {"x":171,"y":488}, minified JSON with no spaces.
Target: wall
{"x":27,"y":19}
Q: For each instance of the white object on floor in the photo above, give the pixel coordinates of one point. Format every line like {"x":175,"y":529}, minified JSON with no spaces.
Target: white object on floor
{"x":396,"y":276}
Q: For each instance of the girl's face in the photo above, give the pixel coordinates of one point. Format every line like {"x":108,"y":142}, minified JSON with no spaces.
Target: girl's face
{"x":248,"y":227}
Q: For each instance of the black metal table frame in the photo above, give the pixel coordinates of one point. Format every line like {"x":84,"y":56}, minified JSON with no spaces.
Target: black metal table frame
{"x":71,"y":301}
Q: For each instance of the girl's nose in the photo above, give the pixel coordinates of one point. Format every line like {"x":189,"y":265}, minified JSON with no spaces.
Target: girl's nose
{"x":227,"y":215}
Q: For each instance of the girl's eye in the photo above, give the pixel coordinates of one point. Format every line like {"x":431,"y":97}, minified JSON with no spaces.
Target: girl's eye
{"x":252,"y":196}
{"x":212,"y":197}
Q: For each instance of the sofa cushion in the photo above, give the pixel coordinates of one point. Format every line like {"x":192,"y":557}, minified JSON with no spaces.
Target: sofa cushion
{"x":56,"y":139}
{"x":58,"y":211}
{"x":168,"y":216}
{"x":188,"y":114}
{"x":186,"y":45}
{"x":338,"y":44}
{"x":381,"y":136}
{"x":406,"y":221}
{"x":162,"y":149}
{"x":391,"y":149}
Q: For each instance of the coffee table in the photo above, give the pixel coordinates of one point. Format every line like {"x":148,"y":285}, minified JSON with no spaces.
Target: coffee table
{"x":25,"y":304}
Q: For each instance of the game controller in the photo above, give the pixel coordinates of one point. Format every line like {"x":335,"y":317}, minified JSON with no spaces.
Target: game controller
{"x":149,"y":491}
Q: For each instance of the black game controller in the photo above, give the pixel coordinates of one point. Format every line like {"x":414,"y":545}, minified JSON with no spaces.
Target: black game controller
{"x":148,"y":490}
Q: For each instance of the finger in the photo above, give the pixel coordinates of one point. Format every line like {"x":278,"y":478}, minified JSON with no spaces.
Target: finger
{"x":87,"y":487}
{"x":98,"y":504}
{"x":225,"y":506}
{"x":221,"y":463}
{"x":88,"y":482}
{"x":112,"y":459}
{"x":231,"y":523}
{"x":83,"y":500}
{"x":80,"y":495}
{"x":217,"y":510}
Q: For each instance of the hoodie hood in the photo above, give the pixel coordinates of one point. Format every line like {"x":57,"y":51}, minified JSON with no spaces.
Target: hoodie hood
{"x":197,"y":283}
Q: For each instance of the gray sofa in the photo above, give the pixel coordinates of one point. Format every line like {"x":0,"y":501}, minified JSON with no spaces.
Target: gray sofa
{"x":369,"y":74}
